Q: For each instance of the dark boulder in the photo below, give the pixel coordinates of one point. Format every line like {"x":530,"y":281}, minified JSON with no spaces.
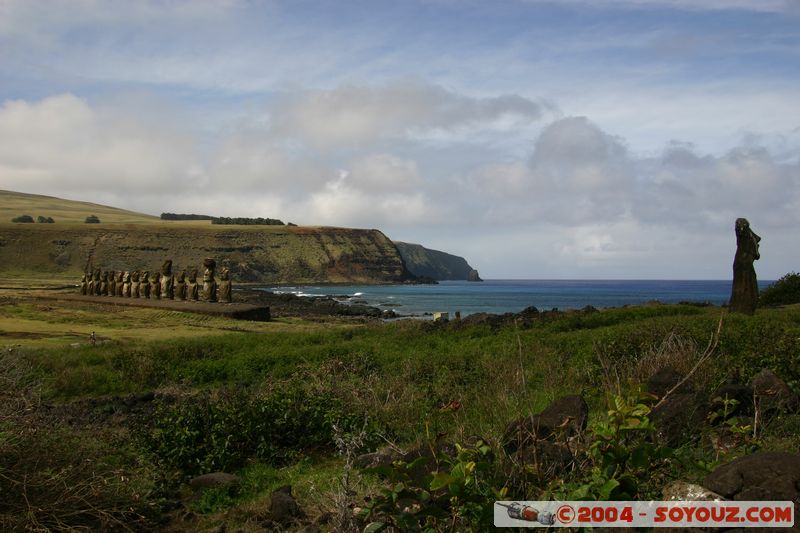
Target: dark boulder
{"x":213,"y":480}
{"x":664,"y":380}
{"x":568,"y":414}
{"x":760,"y":476}
{"x":772,"y":393}
{"x":743,"y":395}
{"x":283,"y":508}
{"x":678,"y":416}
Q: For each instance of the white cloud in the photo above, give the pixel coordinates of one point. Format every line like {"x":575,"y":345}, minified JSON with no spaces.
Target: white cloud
{"x":360,"y":114}
{"x":62,"y":144}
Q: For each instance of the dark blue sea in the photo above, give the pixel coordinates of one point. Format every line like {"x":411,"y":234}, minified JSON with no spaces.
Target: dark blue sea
{"x":501,"y":296}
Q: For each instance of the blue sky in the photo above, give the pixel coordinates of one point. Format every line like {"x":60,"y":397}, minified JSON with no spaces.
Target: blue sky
{"x":574,"y":138}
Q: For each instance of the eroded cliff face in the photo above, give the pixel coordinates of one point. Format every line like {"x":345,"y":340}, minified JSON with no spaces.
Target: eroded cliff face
{"x":281,"y":254}
{"x":434,"y":264}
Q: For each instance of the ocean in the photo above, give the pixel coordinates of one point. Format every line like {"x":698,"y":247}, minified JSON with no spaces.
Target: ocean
{"x":502,"y":296}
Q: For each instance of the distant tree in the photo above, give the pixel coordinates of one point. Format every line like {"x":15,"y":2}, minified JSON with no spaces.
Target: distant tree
{"x":50,"y":220}
{"x":244,"y":221}
{"x":44,"y":220}
{"x":785,"y":291}
{"x":23,"y":219}
{"x":92,"y":219}
{"x":181,"y":216}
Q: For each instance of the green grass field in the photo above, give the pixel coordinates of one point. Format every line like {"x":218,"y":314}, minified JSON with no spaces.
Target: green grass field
{"x":290,"y":380}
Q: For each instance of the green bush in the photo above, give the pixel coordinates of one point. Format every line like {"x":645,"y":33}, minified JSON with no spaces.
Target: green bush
{"x":207,"y":433}
{"x":785,"y":291}
{"x":23,"y":219}
{"x":44,"y":220}
{"x":92,"y":219}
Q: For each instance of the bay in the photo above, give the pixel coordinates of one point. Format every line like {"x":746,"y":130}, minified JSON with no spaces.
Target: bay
{"x":502,"y":296}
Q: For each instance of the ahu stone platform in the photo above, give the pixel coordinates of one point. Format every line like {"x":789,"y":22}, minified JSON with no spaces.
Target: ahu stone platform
{"x":240,"y":311}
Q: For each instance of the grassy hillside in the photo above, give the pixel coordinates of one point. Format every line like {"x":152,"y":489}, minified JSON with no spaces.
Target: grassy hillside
{"x":422,"y":261}
{"x":13,"y":204}
{"x":124,"y":240}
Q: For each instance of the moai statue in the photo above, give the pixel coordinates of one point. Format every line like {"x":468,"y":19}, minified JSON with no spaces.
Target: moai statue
{"x":104,"y":284}
{"x":120,"y":284}
{"x":191,"y":286}
{"x":136,"y":284}
{"x":112,"y":283}
{"x":155,"y":286}
{"x":84,"y":285}
{"x":744,"y":293}
{"x":167,"y":281}
{"x":89,"y":282}
{"x":180,"y":286}
{"x":209,"y":283}
{"x":144,"y":284}
{"x":225,"y":286}
{"x":97,"y":282}
{"x":126,"y":284}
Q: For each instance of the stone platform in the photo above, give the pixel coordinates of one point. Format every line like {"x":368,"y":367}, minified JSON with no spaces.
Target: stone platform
{"x":240,"y":311}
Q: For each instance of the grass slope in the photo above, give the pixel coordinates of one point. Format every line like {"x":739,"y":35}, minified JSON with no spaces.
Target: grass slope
{"x":55,"y":254}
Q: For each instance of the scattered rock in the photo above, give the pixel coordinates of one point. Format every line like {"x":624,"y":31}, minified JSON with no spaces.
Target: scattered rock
{"x":683,"y":491}
{"x":376,"y":459}
{"x":283,"y":507}
{"x":678,"y":416}
{"x":759,"y":476}
{"x":743,"y":394}
{"x":772,"y":393}
{"x":473,"y":276}
{"x":568,"y":414}
{"x":430,"y":464}
{"x":664,"y":380}
{"x":545,"y":457}
{"x":213,"y":480}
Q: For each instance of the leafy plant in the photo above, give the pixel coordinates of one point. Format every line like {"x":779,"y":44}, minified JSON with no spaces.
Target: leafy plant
{"x":459,"y":495}
{"x":621,"y":452}
{"x":785,"y":291}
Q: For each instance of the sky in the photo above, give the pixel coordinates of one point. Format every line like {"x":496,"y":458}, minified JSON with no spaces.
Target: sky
{"x":591,"y":139}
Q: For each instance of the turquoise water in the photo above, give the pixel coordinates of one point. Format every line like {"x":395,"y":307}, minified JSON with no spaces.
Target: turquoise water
{"x":502,"y":296}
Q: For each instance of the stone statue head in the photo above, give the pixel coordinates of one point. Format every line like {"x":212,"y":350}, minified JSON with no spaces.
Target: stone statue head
{"x":746,"y":235}
{"x":135,"y":275}
{"x":145,"y":275}
{"x":97,"y":274}
{"x":126,"y":277}
{"x":209,"y":263}
{"x":83,"y":278}
{"x":112,"y":275}
{"x":120,"y":275}
{"x":193,"y":276}
{"x":156,"y":278}
{"x":182,"y":276}
{"x":224,"y":273}
{"x":166,"y":268}
{"x":105,"y":275}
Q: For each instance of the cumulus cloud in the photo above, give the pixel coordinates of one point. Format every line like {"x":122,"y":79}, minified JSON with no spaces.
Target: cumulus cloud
{"x":360,"y":114}
{"x":62,"y":144}
{"x":577,"y":203}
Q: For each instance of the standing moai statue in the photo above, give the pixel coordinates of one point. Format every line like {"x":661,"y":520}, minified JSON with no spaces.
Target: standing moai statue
{"x":191,"y":286}
{"x":144,"y":284}
{"x":136,"y":284}
{"x":209,"y":283}
{"x":97,"y":282}
{"x":744,"y":293}
{"x":180,"y":286}
{"x":126,"y":284}
{"x":84,"y":284}
{"x":104,"y":284}
{"x":112,"y":283}
{"x":155,"y":286}
{"x":120,"y":284}
{"x":167,"y":281}
{"x":225,"y":286}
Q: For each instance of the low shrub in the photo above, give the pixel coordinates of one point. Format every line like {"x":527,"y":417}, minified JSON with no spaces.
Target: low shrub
{"x":23,"y":219}
{"x":785,"y":291}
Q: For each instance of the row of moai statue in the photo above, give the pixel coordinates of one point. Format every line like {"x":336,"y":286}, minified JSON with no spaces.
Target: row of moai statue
{"x":161,"y":285}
